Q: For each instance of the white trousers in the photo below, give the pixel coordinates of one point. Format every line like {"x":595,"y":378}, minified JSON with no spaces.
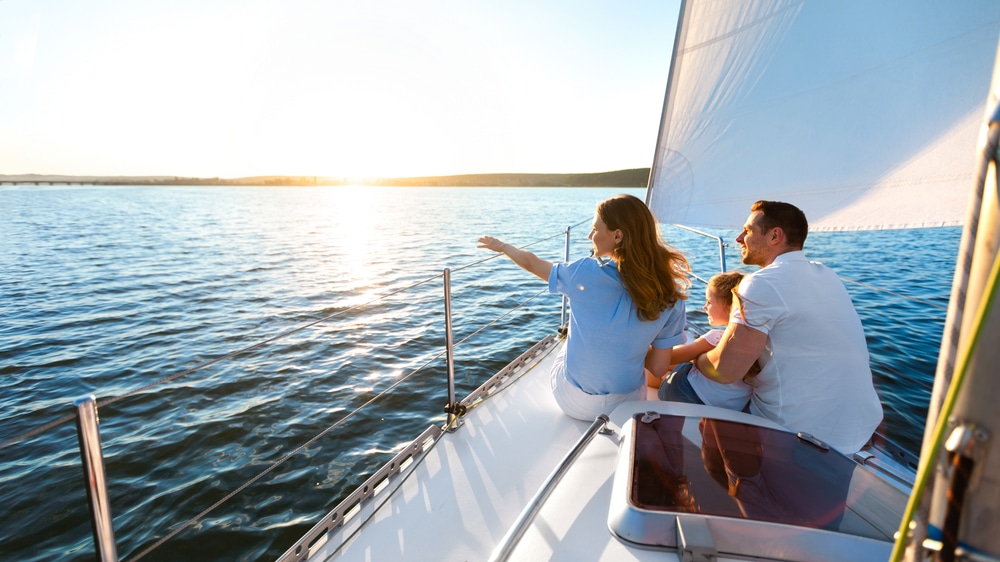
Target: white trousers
{"x":578,"y":404}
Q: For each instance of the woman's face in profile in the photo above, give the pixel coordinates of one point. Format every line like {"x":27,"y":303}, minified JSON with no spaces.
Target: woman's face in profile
{"x":604,"y":240}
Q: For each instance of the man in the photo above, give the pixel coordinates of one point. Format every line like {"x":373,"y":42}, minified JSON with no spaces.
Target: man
{"x":796,"y":318}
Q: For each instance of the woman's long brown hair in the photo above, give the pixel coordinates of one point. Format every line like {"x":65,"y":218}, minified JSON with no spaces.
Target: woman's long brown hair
{"x":654,"y":274}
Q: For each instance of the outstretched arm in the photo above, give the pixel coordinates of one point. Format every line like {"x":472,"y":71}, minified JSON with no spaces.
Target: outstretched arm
{"x":735,"y":354}
{"x":527,"y":260}
{"x":690,"y":351}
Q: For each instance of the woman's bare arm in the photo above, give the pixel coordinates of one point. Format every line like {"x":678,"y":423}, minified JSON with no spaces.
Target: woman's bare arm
{"x":658,"y":361}
{"x":527,"y":260}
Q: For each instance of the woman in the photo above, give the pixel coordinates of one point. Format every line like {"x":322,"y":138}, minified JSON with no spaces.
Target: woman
{"x":625,"y":298}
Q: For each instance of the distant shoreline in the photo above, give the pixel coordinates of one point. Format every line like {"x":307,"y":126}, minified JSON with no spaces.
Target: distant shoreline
{"x":636,"y":177}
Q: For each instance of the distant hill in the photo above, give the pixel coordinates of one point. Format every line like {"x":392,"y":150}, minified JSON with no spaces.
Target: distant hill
{"x":636,"y":177}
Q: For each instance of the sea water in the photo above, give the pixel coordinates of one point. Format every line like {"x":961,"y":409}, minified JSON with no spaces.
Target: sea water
{"x":120,"y":291}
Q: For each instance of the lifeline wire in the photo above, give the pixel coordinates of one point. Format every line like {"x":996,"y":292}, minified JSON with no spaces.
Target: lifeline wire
{"x":70,"y":417}
{"x":49,"y":425}
{"x":498,"y":254}
{"x":339,"y":422}
{"x":902,"y":296}
{"x":280,"y":461}
{"x":501,"y":317}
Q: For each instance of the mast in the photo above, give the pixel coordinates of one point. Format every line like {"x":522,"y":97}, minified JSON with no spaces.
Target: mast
{"x":959,"y":511}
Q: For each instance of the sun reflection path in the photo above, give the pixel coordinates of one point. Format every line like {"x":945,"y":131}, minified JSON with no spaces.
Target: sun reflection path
{"x":356,"y":230}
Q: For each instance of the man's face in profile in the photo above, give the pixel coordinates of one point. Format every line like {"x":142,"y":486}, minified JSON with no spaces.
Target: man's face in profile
{"x":754,"y":248}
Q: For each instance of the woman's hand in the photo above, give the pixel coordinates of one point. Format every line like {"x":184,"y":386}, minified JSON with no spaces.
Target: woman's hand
{"x":523,"y":258}
{"x":491,"y":243}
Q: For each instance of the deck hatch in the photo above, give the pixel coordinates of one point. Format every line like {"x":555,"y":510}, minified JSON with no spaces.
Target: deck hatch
{"x":699,"y":471}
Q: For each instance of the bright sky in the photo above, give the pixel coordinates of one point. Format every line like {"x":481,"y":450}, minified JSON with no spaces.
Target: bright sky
{"x":234,"y":88}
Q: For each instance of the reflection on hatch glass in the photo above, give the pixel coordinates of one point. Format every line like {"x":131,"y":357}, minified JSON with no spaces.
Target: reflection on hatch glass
{"x":732,"y":469}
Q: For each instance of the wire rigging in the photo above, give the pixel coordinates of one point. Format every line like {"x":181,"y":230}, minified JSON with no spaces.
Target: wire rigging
{"x":113,"y":399}
{"x":70,"y":417}
{"x":284,"y":458}
{"x":337,"y":424}
{"x":194,"y":520}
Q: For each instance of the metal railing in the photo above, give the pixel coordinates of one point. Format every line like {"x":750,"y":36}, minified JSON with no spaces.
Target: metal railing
{"x":449,"y":344}
{"x":86,"y":414}
{"x":565,"y":299}
{"x":93,"y":474}
{"x":506,"y":546}
{"x":721,"y":242}
{"x":86,"y":417}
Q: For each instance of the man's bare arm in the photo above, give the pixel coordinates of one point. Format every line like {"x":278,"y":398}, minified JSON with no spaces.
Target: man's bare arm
{"x":735,"y":354}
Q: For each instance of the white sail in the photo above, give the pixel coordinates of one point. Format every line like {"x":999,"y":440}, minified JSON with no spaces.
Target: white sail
{"x":864,"y":114}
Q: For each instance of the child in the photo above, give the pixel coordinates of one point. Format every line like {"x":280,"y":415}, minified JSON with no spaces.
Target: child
{"x":718,"y":305}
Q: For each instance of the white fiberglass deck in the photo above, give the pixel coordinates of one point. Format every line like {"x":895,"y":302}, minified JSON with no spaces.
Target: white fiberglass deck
{"x":461,"y":499}
{"x":474,"y":482}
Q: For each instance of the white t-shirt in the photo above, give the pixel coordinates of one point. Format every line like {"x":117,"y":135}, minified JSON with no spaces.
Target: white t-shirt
{"x":733,"y":396}
{"x":815,"y":375}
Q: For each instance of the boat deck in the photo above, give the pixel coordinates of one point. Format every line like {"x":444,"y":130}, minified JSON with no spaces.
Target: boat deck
{"x":458,"y":502}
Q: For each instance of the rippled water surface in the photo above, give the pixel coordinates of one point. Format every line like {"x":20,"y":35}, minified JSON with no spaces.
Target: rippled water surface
{"x":108,"y":290}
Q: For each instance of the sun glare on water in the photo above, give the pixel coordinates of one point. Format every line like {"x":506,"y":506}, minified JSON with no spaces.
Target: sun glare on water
{"x":355,"y":234}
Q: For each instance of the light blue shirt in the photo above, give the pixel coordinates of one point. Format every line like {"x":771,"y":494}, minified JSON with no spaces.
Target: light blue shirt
{"x":607,"y":343}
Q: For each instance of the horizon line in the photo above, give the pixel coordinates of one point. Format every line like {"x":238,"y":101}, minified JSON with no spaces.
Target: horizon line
{"x":317,"y":176}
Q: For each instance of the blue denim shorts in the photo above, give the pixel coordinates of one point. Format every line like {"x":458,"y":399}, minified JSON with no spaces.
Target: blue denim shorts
{"x":677,"y":388}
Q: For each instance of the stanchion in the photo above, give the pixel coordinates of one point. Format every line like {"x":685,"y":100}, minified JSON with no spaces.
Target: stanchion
{"x":93,"y":476}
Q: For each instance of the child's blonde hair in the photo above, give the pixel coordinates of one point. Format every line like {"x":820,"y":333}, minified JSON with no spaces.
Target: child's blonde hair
{"x":724,"y":285}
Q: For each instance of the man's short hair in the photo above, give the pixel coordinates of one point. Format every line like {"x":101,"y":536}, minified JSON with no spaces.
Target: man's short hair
{"x":789,"y":218}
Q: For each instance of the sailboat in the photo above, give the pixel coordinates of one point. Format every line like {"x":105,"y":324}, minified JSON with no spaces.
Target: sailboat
{"x":867,"y":115}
